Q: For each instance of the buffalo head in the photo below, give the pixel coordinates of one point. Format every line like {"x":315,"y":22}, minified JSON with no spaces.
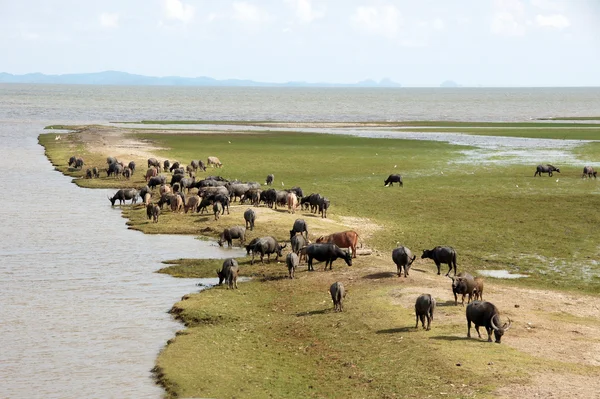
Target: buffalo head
{"x":499,"y":331}
{"x":426,"y":254}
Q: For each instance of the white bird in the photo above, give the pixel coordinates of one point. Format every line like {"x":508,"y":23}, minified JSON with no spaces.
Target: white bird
{"x":517,"y":186}
{"x":282,"y":183}
{"x":376,"y":154}
{"x":442,"y":172}
{"x":395,"y":166}
{"x":557,"y":180}
{"x":229,"y":142}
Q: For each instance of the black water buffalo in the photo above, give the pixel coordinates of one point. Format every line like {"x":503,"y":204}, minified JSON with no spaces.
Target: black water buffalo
{"x":210,"y":183}
{"x":250,"y":246}
{"x":156,"y":181}
{"x":237,"y":190}
{"x":393,"y":179}
{"x":166,"y":164}
{"x":229,"y":272}
{"x":463,"y":284}
{"x":314,"y":200}
{"x":280,"y":198}
{"x":95,"y":172}
{"x":545,"y":169}
{"x":217,"y":209}
{"x":203,"y":206}
{"x":187,"y":183}
{"x":403,"y":258}
{"x":327,"y":253}
{"x":589,"y":172}
{"x":441,"y":255}
{"x":269,"y":197}
{"x":270,"y":179}
{"x":127,"y":172}
{"x":292,"y":261}
{"x":153,"y":211}
{"x":72,"y":160}
{"x":267,"y":246}
{"x":176,"y":178}
{"x":110,"y":160}
{"x":206,"y":191}
{"x":299,"y":227}
{"x":131,"y":166}
{"x":124,"y":194}
{"x":250,"y":217}
{"x":174,"y":165}
{"x":88,"y":173}
{"x":252,"y":195}
{"x":114,"y":169}
{"x":154,"y":162}
{"x":424,"y":308}
{"x":76,"y":162}
{"x":298,"y":242}
{"x":338,"y":293}
{"x":144,"y":190}
{"x":298,"y":191}
{"x":323,"y":206}
{"x":486,"y":314}
{"x":197,"y":164}
{"x":230,"y":233}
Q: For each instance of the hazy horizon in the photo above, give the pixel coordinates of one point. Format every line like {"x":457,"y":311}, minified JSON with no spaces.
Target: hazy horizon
{"x":491,"y":43}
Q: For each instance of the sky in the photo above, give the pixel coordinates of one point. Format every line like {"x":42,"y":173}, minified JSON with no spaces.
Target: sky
{"x":412,"y":42}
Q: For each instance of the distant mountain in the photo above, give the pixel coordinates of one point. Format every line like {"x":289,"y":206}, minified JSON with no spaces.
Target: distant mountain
{"x":449,"y":83}
{"x":124,"y":78}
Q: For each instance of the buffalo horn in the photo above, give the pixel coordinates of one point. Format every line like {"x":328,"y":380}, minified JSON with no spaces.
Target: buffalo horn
{"x":506,"y":327}
{"x":493,"y":325}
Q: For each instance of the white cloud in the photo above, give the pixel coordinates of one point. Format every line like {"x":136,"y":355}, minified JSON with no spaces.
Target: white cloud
{"x":438,"y":24}
{"x":246,"y":12}
{"x":109,"y":20}
{"x":305,"y":11}
{"x":177,"y":10}
{"x":508,"y":18}
{"x":557,"y":21}
{"x":548,"y":5}
{"x":383,"y":21}
{"x":211,"y":17}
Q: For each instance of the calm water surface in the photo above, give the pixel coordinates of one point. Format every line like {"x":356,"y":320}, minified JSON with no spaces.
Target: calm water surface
{"x":82,"y":313}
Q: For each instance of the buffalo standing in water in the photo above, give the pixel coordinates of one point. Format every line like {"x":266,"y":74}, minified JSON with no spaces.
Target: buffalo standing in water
{"x":545,"y":169}
{"x":441,"y":255}
{"x":393,"y":179}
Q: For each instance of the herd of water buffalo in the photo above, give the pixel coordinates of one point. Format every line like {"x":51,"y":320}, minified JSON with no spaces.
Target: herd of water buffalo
{"x":216,"y":193}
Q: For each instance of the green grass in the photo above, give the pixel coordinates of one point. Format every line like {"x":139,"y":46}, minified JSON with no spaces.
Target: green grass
{"x":562,"y":133}
{"x":571,"y":118}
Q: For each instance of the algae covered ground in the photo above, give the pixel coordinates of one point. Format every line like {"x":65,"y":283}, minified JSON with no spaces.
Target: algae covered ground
{"x":275,"y":337}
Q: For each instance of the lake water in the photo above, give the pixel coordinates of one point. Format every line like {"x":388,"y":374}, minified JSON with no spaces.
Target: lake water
{"x":82,"y":313}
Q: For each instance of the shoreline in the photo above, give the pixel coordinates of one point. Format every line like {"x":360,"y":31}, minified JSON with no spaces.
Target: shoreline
{"x":523,"y":346}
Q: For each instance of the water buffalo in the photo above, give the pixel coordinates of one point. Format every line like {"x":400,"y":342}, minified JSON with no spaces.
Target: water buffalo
{"x":217,"y":209}
{"x":424,"y":308}
{"x":204,"y":203}
{"x":323,"y":206}
{"x":88,"y":173}
{"x":252,"y":195}
{"x":131,"y":166}
{"x":144,"y":190}
{"x":486,"y":314}
{"x":250,"y":246}
{"x":174,"y":165}
{"x":393,"y":179}
{"x":150,"y":173}
{"x":233,"y":232}
{"x":154,"y":162}
{"x":292,"y":202}
{"x":152,"y":211}
{"x":589,"y":172}
{"x":338,"y":293}
{"x":344,"y":239}
{"x":441,"y":255}
{"x":164,"y":189}
{"x":250,"y":217}
{"x":545,"y":169}
{"x":115,"y":169}
{"x":166,"y":164}
{"x":176,"y":203}
{"x":192,"y":203}
{"x":478,"y":292}
{"x":156,"y":181}
{"x":187,"y":183}
{"x":214,"y":161}
{"x":292,"y":261}
{"x":298,"y":191}
{"x":165,"y":199}
{"x":110,"y":160}
{"x":95,"y":172}
{"x":124,"y":194}
{"x":280,"y":198}
{"x":195,"y":164}
{"x":403,"y":258}
{"x":311,"y":200}
{"x":267,"y":246}
{"x":229,"y":272}
{"x":299,"y":227}
{"x":270,"y":179}
{"x":269,"y":197}
{"x":72,"y":161}
{"x":327,"y":253}
{"x":127,"y":172}
{"x":463,"y":284}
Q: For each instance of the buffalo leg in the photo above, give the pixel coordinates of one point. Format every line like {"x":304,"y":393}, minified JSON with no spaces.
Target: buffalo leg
{"x":417,"y":317}
{"x":477,"y":329}
{"x":428,"y":323}
{"x":468,"y":328}
{"x":489,"y":331}
{"x":438,"y":267}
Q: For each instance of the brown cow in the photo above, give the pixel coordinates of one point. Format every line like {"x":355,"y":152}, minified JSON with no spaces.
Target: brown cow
{"x":151,"y":172}
{"x":344,"y":239}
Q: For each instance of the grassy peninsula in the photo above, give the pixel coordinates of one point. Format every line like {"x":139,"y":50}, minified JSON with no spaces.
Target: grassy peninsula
{"x":275,"y":337}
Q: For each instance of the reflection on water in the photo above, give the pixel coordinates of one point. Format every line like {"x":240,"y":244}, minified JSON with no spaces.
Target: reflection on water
{"x":501,"y":274}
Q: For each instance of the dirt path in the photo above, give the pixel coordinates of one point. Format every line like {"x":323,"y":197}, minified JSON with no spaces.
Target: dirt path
{"x":549,"y":325}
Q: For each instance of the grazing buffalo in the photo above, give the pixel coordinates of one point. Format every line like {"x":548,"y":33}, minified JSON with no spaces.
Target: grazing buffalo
{"x":292,"y":202}
{"x":229,"y":272}
{"x":115,"y":169}
{"x":154,"y":162}
{"x":124,"y":194}
{"x":127,"y":172}
{"x":144,"y":190}
{"x":589,"y":172}
{"x":393,"y":179}
{"x":338,"y":293}
{"x":88,"y":173}
{"x":250,"y":246}
{"x":156,"y":181}
{"x":233,"y":232}
{"x":196,"y":164}
{"x":424,"y":308}
{"x":478,"y":292}
{"x":192,"y":203}
{"x":327,"y":253}
{"x":164,"y":189}
{"x":267,"y":246}
{"x":441,"y":255}
{"x":204,"y":203}
{"x":299,"y":227}
{"x":131,"y":166}
{"x":176,"y":178}
{"x":146,"y":198}
{"x":463,"y":284}
{"x":486,"y":314}
{"x":269,"y":197}
{"x":187,"y":183}
{"x":344,"y":239}
{"x":214,"y":161}
{"x":252,"y":195}
{"x":110,"y":160}
{"x":545,"y":169}
{"x":403,"y":258}
{"x":95,"y":172}
{"x":292,"y":261}
{"x":298,"y":242}
{"x":150,"y":173}
{"x":152,"y":211}
{"x":72,"y":160}
{"x":250,"y":217}
{"x":270,"y":179}
{"x":174,"y":165}
{"x":176,"y":203}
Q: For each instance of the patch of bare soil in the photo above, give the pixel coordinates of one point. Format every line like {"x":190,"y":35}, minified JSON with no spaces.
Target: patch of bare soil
{"x":110,"y":141}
